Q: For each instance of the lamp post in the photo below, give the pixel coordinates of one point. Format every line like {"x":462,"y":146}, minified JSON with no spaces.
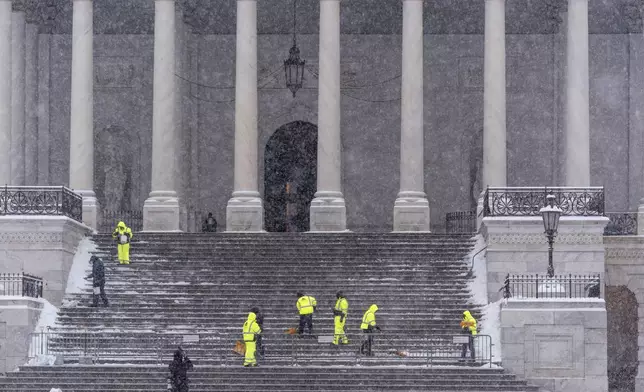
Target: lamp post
{"x":550,"y":214}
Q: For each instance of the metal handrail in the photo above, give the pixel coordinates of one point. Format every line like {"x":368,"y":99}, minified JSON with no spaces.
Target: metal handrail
{"x":21,"y":285}
{"x":433,"y":350}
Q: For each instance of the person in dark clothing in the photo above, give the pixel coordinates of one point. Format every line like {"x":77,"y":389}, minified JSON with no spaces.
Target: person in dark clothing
{"x":179,"y":367}
{"x":210,"y":224}
{"x":98,"y":280}
{"x":260,"y":321}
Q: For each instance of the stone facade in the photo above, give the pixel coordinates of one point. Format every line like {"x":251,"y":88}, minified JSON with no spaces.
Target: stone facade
{"x":371,"y":66}
{"x":559,"y":345}
{"x":42,"y":246}
{"x":518,"y":245}
{"x":624,"y":267}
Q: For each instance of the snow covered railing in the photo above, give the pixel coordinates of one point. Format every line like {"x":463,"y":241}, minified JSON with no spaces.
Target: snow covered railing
{"x":41,"y":200}
{"x":559,"y":286}
{"x":20,"y":285}
{"x":528,"y":201}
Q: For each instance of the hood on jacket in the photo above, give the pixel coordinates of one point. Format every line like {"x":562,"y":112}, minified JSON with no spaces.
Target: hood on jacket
{"x":467,"y":315}
{"x":373,"y":308}
{"x":121,"y":225}
{"x":251,"y":317}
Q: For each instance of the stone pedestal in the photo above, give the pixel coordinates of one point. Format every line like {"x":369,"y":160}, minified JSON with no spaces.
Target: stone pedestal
{"x":245,"y":212}
{"x":559,"y":345}
{"x":18,"y":318}
{"x":90,"y":208}
{"x":411,"y":212}
{"x":518,"y":245}
{"x":161,"y":212}
{"x":42,"y":246}
{"x":328,"y":212}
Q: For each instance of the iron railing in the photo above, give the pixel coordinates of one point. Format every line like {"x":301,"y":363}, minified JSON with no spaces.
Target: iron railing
{"x":41,"y":200}
{"x":559,"y":286}
{"x":527,"y":201}
{"x":621,"y":223}
{"x":429,"y":349}
{"x":21,"y":285}
{"x":461,"y":222}
{"x":133,"y":219}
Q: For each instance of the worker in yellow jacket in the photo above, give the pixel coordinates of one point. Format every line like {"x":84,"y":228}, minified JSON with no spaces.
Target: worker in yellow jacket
{"x":123,"y":235}
{"x":340,"y":318}
{"x":468,"y":325}
{"x":250,"y":332}
{"x":369,"y":326}
{"x":306,"y":306}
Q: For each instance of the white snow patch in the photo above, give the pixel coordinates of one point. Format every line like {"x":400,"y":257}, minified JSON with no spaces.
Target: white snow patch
{"x":47,"y":317}
{"x":76,"y":282}
{"x":42,"y":360}
{"x":491,"y":325}
{"x":55,"y":390}
{"x":478,"y":285}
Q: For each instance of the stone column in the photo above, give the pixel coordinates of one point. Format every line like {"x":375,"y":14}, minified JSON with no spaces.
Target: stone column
{"x":18,"y":95}
{"x":577,"y":110}
{"x":161,"y":209}
{"x":245,"y":211}
{"x":5,"y":91}
{"x":494,"y":109}
{"x":31,"y":100}
{"x":81,"y":131}
{"x":328,"y":211}
{"x":411,"y":209}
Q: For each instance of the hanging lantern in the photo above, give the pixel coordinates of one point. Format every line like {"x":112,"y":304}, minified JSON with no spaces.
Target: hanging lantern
{"x":294,"y":65}
{"x":294,"y":70}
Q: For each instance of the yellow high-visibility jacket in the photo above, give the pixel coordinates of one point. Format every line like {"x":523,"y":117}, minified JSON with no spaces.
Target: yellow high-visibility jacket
{"x":469,"y":322}
{"x":251,"y":328}
{"x":120,"y":230}
{"x":369,"y":318}
{"x":342,"y":305}
{"x":306,"y":304}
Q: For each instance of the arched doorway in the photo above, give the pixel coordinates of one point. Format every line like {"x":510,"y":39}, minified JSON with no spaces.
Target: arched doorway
{"x":290,"y":177}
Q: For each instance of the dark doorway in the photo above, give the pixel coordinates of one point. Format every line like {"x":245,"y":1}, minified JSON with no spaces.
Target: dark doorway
{"x":290,"y":177}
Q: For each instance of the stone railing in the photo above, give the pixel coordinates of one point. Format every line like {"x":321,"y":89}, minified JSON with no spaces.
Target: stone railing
{"x":527,"y":201}
{"x":21,"y":285}
{"x":559,"y":286}
{"x":41,"y":200}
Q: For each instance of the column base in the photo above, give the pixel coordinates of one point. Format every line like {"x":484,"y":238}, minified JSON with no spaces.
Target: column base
{"x":90,"y":208}
{"x":411,"y":212}
{"x":161,"y":212}
{"x":328,"y":212}
{"x":640,"y":218}
{"x":245,"y":212}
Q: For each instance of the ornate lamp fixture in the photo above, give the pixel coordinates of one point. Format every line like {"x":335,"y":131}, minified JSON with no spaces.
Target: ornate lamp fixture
{"x":551,"y":215}
{"x":294,"y":65}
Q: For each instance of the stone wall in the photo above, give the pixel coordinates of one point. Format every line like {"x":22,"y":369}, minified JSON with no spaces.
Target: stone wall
{"x":622,"y":315}
{"x":518,"y":245}
{"x":625,"y":268}
{"x":43,"y":246}
{"x":559,"y":345}
{"x":18,"y":318}
{"x":371,"y":66}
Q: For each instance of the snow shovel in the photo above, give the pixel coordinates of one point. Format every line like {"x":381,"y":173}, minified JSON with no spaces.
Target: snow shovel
{"x":291,"y":331}
{"x":400,"y":353}
{"x":240,"y":348}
